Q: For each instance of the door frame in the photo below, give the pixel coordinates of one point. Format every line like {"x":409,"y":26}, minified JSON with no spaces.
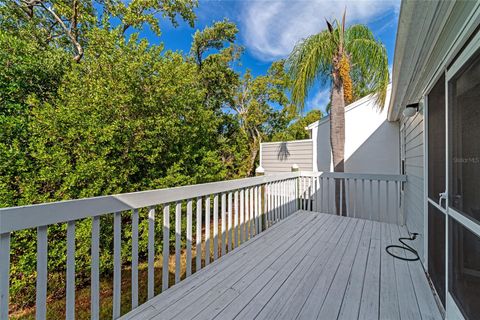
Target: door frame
{"x":452,"y":311}
{"x":473,"y":47}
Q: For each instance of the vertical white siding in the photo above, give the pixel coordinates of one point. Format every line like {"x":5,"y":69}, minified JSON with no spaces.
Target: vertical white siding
{"x":280,"y":156}
{"x":412,"y":139}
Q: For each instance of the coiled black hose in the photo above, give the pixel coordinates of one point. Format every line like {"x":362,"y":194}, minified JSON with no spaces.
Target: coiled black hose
{"x":405,"y":247}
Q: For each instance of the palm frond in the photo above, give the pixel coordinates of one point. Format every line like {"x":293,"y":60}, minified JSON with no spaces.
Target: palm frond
{"x":310,"y":60}
{"x":369,"y":62}
{"x":358,"y":31}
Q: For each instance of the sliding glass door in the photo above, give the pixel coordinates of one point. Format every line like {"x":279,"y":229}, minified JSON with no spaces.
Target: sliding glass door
{"x":436,"y":204}
{"x":463,"y":208}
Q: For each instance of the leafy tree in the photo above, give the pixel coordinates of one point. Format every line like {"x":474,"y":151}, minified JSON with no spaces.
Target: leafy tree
{"x":262,"y":107}
{"x":339,"y":55}
{"x":123,"y":115}
{"x":66,"y":21}
{"x":296,"y":130}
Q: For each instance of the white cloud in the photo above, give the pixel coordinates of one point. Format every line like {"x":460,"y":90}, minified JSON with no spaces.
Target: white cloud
{"x":273,"y":27}
{"x":319,"y":100}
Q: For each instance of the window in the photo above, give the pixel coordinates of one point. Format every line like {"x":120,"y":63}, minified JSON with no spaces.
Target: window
{"x":464,"y":270}
{"x":436,"y":139}
{"x":436,"y":249}
{"x":464,"y":100}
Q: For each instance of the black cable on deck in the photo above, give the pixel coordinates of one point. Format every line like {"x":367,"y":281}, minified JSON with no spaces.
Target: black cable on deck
{"x":405,"y":247}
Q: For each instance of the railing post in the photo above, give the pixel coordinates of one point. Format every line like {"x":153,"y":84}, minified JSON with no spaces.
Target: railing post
{"x":260,"y":171}
{"x":295,"y":168}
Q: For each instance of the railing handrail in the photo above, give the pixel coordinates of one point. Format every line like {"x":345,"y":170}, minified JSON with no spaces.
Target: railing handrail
{"x":359,"y":176}
{"x":31,"y":216}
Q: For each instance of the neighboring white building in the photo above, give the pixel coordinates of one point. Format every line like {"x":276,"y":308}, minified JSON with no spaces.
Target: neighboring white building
{"x":371,"y":143}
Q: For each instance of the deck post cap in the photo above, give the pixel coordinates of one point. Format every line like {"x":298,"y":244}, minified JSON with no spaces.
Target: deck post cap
{"x":294,"y":167}
{"x":260,"y":171}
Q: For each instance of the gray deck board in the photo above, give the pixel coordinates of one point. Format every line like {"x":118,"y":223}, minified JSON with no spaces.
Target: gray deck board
{"x":308,"y":266}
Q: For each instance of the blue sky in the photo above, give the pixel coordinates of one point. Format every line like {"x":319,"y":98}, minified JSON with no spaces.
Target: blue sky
{"x":268,"y":29}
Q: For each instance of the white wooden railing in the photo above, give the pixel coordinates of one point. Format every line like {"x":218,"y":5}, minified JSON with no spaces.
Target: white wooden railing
{"x":241,"y":209}
{"x":367,"y":196}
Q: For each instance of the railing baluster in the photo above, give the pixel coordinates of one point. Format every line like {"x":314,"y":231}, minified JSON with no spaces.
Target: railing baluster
{"x":166,"y":246}
{"x":224,"y":223}
{"x":70,"y":303}
{"x":189,"y":237}
{"x":265,"y":207}
{"x":247,"y":215}
{"x":347,"y":197}
{"x":251,"y":214}
{"x":260,"y":214}
{"x":302,"y":194}
{"x":256,"y":210}
{"x":4,"y":274}
{"x":370,"y":209}
{"x":242,"y":213}
{"x":341,"y":197}
{"x":379,"y":214}
{"x":355,"y":199}
{"x":178,"y":240}
{"x":363,"y":199}
{"x":387,"y":210}
{"x":397,"y":205}
{"x":42,"y":254}
{"x":235,"y":221}
{"x":286,"y":195}
{"x":321,"y":195}
{"x":198,"y":244}
{"x":328,"y":195}
{"x":95,"y":269}
{"x":207,"y":230}
{"x":230,"y":222}
{"x":272,"y":203}
{"x":215,"y":227}
{"x":117,"y":263}
{"x":279,"y":201}
{"x":134,"y":258}
{"x":151,"y":253}
{"x":269,"y":204}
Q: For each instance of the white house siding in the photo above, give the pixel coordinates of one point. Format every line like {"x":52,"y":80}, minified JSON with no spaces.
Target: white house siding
{"x":430,"y":36}
{"x":371,"y":142}
{"x":412,"y":139}
{"x":280,"y":156}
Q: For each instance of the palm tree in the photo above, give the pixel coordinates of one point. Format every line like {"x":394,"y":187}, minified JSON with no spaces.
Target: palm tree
{"x":353,"y":62}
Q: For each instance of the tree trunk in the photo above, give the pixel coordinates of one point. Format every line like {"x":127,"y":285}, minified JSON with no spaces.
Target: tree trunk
{"x":253,"y":156}
{"x":337,"y":137}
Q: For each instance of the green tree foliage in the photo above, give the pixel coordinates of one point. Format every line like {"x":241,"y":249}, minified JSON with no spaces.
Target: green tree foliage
{"x":88,"y":109}
{"x":262,"y":108}
{"x":296,"y":130}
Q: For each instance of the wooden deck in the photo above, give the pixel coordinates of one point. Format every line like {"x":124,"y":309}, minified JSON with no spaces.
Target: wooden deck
{"x":308,"y":266}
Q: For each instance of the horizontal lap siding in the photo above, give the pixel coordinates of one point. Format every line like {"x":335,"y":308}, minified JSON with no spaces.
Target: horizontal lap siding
{"x":414,"y":161}
{"x":280,"y":156}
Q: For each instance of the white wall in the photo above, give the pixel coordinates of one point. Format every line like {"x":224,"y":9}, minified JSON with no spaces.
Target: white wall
{"x":371,"y":142}
{"x":412,"y":139}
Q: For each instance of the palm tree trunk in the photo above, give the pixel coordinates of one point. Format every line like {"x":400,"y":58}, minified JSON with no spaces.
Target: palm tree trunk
{"x":337,"y":136}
